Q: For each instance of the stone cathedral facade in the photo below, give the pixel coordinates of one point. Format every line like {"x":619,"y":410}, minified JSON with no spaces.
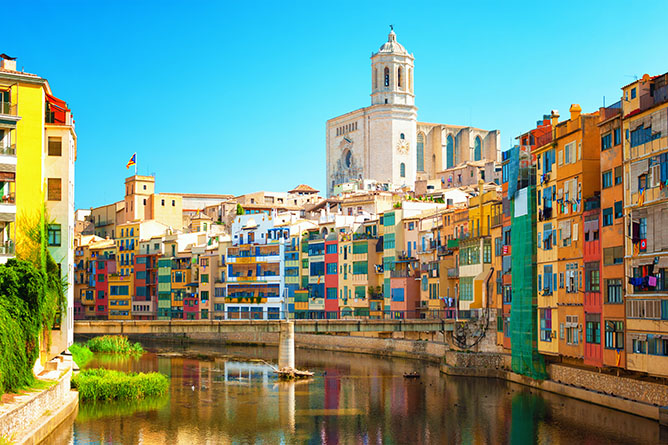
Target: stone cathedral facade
{"x":386,"y":143}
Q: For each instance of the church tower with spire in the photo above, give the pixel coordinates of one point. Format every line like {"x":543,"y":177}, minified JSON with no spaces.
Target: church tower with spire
{"x":378,"y":142}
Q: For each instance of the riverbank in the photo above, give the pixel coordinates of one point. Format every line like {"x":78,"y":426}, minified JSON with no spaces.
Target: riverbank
{"x":30,"y":417}
{"x":633,"y":396}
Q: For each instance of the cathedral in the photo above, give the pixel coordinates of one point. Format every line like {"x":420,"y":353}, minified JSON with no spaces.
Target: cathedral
{"x":386,"y":143}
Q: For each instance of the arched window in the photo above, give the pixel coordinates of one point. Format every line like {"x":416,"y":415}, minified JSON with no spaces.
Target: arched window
{"x":402,"y":136}
{"x":399,"y":77}
{"x":420,"y":152}
{"x":450,"y":152}
{"x":387,"y":77}
{"x":477,"y":149}
{"x":348,"y":158}
{"x":402,"y":170}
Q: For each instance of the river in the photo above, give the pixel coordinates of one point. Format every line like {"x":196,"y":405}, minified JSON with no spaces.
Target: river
{"x":227,"y":395}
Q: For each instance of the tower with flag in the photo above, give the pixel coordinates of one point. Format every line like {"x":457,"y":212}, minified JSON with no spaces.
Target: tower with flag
{"x":132,"y":161}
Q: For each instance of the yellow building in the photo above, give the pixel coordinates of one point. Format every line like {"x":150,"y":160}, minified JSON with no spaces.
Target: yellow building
{"x":37,"y":155}
{"x":121,"y":289}
{"x":645,"y":154}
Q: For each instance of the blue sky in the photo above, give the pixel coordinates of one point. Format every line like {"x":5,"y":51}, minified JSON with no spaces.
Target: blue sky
{"x":232,"y":97}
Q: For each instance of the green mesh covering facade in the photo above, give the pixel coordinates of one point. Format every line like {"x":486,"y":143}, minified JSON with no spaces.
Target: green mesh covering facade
{"x":526,"y":359}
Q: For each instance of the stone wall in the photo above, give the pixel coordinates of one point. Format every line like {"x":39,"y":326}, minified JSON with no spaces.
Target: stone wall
{"x":395,"y":347}
{"x":480,"y":360}
{"x":30,"y":407}
{"x":632,"y":389}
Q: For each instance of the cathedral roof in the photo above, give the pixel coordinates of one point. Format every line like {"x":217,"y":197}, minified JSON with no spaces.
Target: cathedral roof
{"x":392,"y":46}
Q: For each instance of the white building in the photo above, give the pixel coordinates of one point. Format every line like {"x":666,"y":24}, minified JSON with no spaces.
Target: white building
{"x":386,"y":143}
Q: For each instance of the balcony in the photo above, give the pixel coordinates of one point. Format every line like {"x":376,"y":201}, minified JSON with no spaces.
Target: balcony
{"x":7,"y":251}
{"x":8,"y":113}
{"x":453,"y":272}
{"x":8,"y":208}
{"x":402,"y":273}
{"x":8,"y":158}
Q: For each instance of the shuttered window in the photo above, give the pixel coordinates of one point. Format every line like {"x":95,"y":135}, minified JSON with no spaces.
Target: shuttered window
{"x":54,"y":189}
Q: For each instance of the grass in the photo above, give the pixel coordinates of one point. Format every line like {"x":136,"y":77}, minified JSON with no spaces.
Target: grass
{"x":106,"y":384}
{"x":93,"y":410}
{"x":81,"y":354}
{"x":116,"y":344}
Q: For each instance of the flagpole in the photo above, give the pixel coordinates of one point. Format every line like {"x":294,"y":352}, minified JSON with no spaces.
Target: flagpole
{"x":135,"y":163}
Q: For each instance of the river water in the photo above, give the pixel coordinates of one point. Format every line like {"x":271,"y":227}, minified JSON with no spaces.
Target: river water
{"x":227,"y":395}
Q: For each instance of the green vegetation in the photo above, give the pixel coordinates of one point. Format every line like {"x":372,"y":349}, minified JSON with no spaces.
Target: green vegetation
{"x":240,"y":210}
{"x":81,"y":354}
{"x":116,"y":408}
{"x":115,"y":344}
{"x":106,"y":384}
{"x":30,"y":301}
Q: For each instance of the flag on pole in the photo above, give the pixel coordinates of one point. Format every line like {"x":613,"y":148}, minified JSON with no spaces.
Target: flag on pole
{"x":132,"y":161}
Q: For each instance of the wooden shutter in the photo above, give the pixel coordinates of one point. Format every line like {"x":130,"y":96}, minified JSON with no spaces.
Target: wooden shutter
{"x":54,"y":192}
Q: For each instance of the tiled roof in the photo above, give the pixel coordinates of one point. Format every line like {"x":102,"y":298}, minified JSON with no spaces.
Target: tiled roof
{"x":303,"y":188}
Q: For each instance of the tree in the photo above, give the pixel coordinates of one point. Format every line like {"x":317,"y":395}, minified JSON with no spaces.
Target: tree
{"x":240,"y":210}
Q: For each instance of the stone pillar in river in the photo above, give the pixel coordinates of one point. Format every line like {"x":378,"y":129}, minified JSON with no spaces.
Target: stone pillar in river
{"x":286,"y":345}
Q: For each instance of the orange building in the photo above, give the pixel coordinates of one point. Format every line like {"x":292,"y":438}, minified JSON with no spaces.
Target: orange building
{"x":611,"y":225}
{"x":578,"y":166}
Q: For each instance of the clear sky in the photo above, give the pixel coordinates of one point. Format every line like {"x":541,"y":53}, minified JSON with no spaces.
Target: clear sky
{"x":232,"y":97}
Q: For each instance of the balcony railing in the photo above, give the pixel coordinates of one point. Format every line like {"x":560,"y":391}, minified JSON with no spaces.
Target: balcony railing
{"x":9,"y":150}
{"x":7,"y":248}
{"x":453,"y":272}
{"x":402,"y":273}
{"x":9,"y":198}
{"x":8,"y":108}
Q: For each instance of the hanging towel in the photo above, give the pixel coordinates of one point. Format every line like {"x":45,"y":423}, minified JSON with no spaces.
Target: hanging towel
{"x":651,"y":281}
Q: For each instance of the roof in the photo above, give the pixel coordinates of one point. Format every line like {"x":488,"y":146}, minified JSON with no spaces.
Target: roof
{"x":303,"y":188}
{"x":392,"y":46}
{"x":6,"y":57}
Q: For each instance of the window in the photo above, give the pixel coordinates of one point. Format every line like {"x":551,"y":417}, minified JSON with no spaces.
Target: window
{"x":450,"y":152}
{"x":618,"y":136}
{"x":330,"y":248}
{"x":618,"y":175}
{"x":607,"y":179}
{"x":54,"y":186}
{"x":592,"y":277}
{"x":569,"y":153}
{"x":613,"y":291}
{"x":402,"y":170}
{"x":593,"y":329}
{"x":572,"y":330}
{"x":466,"y":289}
{"x":619,"y":210}
{"x":331,"y":268}
{"x":477,"y":149}
{"x":607,"y":217}
{"x":487,"y":251}
{"x":330,"y":293}
{"x":547,"y":276}
{"x":606,"y":141}
{"x":633,"y":93}
{"x":399,"y":77}
{"x":100,"y":277}
{"x":55,"y":146}
{"x":53,"y":235}
{"x":387,"y":77}
{"x":420,"y":152}
{"x":546,"y":325}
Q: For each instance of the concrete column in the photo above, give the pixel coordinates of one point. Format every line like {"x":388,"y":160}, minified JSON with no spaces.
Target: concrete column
{"x":286,"y":345}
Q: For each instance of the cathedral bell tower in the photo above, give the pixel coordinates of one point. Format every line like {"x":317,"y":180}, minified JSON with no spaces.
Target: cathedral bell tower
{"x":392,"y":74}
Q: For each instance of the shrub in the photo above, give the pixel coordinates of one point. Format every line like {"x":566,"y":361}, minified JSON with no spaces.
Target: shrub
{"x":81,"y":354}
{"x":29,"y":300}
{"x":116,"y":344}
{"x":106,"y":384}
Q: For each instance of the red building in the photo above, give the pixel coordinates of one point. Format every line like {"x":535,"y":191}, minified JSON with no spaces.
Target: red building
{"x":102,"y":267}
{"x":331,"y":276}
{"x":145,"y":300}
{"x":593,"y":303}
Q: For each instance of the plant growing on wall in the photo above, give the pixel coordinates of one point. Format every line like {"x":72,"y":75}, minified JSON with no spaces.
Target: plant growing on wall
{"x":32,"y":297}
{"x":240,"y":210}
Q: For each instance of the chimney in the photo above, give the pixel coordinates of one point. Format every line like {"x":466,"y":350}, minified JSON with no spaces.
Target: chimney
{"x":7,"y":63}
{"x":575,"y":111}
{"x":554,"y":118}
